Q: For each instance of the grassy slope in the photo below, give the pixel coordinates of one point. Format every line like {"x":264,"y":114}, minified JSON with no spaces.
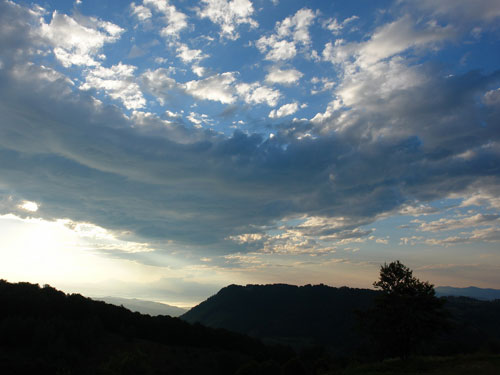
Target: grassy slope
{"x":478,"y":364}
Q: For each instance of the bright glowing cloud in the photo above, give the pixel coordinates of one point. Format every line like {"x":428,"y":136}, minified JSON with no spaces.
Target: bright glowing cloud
{"x":29,"y":206}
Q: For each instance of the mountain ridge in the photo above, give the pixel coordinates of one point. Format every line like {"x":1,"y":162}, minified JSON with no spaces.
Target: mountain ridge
{"x":143,"y":306}
{"x":484,"y":294}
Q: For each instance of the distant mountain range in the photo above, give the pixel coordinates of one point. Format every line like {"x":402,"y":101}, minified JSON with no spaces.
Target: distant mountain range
{"x":144,"y":307}
{"x":471,"y":292}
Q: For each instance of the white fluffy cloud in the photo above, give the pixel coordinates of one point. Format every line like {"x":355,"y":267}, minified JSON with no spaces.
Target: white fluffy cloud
{"x":290,"y":33}
{"x":284,"y":110}
{"x":118,"y":82}
{"x":276,"y":49}
{"x":297,"y":26}
{"x":284,"y":77}
{"x":189,"y":55}
{"x":78,"y":41}
{"x":216,"y":88}
{"x":255,"y":93}
{"x":228,"y":15}
{"x":176,"y":21}
{"x":141,"y":12}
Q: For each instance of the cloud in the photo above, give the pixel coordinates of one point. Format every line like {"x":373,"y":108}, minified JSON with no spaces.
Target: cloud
{"x":297,"y":26}
{"x":216,"y":88}
{"x":29,"y":206}
{"x":78,"y":41}
{"x":228,"y":15}
{"x":321,"y":84}
{"x":290,"y":32}
{"x":255,"y":93}
{"x":484,"y":11}
{"x":284,"y":77}
{"x":335,"y":27}
{"x":222,"y":88}
{"x":188,"y":55}
{"x":492,"y":98}
{"x":284,"y":110}
{"x":176,"y":21}
{"x":198,"y":70}
{"x":450,"y":224}
{"x":159,"y":83}
{"x":483,"y":198}
{"x":417,"y":209}
{"x":278,"y":49}
{"x":118,"y":82}
{"x":199,"y":119}
{"x":141,"y":12}
{"x":314,"y":235}
{"x":491,"y":234}
{"x":387,"y":41}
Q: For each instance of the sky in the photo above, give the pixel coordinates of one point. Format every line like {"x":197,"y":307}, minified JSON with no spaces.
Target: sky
{"x":162,"y":149}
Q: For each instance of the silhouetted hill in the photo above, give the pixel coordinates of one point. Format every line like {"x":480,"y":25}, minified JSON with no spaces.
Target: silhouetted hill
{"x":144,"y":307}
{"x":474,"y":326}
{"x":45,"y":331}
{"x":322,"y":315}
{"x":296,"y":315}
{"x":471,"y":292}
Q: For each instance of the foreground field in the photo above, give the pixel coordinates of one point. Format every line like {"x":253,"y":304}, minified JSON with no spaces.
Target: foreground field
{"x":479,"y":364}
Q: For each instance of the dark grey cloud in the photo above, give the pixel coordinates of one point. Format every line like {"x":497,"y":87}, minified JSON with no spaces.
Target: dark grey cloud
{"x":156,"y":180}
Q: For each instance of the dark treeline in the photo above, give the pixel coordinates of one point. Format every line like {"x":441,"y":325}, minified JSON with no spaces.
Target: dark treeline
{"x":43,"y":330}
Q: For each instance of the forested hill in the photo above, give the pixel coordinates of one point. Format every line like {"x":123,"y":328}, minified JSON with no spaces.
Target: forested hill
{"x":43,"y":330}
{"x":311,"y":315}
{"x":296,"y":315}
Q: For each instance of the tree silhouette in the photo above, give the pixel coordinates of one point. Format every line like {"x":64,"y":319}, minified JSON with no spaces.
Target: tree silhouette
{"x":406,"y":314}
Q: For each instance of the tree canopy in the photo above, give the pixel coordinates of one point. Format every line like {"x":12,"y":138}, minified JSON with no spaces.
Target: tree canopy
{"x":397,"y":280}
{"x":406,"y":314}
